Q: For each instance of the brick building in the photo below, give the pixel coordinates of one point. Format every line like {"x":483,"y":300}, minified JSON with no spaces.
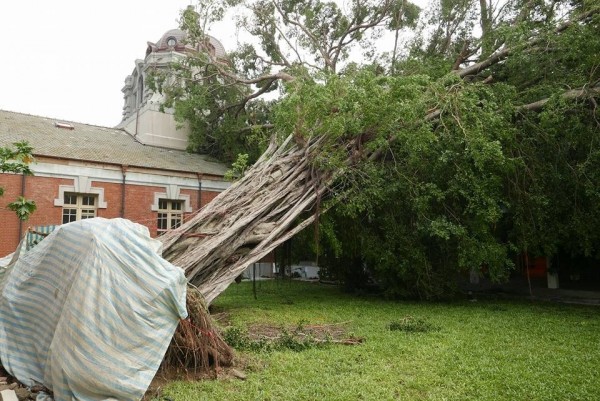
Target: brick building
{"x":138,"y":170}
{"x":83,"y":171}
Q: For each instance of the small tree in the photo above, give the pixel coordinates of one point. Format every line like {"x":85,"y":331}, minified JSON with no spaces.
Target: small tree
{"x":16,"y":160}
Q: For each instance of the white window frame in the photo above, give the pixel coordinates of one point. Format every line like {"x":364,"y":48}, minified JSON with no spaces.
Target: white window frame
{"x":173,"y":216}
{"x":81,"y":184}
{"x":79,"y":209}
{"x":172,"y":192}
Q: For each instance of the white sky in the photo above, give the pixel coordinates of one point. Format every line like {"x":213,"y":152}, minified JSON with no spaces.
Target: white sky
{"x":68,"y":59}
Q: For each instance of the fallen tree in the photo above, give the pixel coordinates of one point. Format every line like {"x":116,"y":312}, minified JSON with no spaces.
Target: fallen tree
{"x":325,"y":131}
{"x":329,"y":126}
{"x":249,"y":219}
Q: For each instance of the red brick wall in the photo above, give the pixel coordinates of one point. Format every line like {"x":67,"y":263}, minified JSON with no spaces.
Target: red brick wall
{"x":9,"y":224}
{"x":138,"y":203}
{"x":43,"y":190}
{"x":112,"y":197}
{"x":207,"y":197}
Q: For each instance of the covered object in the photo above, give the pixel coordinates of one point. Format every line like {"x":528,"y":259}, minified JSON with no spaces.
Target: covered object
{"x":90,"y":311}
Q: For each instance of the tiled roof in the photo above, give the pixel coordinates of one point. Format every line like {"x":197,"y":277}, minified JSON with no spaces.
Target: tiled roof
{"x":97,"y":144}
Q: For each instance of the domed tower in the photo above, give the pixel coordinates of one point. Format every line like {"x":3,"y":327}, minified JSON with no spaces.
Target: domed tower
{"x":142,"y":117}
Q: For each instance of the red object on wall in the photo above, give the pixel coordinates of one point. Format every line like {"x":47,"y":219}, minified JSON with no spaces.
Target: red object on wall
{"x":537,"y":267}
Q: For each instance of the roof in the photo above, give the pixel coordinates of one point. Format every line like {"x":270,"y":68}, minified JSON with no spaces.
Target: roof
{"x":179,"y":39}
{"x":76,"y":141}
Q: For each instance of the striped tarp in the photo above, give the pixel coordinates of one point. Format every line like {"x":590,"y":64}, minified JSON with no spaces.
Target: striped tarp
{"x":90,"y":311}
{"x":36,"y":234}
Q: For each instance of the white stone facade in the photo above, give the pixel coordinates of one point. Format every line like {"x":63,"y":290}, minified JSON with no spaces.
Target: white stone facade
{"x":142,"y":117}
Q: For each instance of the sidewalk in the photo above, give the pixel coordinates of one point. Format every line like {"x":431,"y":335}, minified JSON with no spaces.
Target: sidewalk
{"x":520,"y":289}
{"x":566,"y":296}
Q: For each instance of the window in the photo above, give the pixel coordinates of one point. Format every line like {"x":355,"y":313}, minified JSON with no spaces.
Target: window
{"x":78,"y":207}
{"x":170,"y":214}
{"x":140,"y":91}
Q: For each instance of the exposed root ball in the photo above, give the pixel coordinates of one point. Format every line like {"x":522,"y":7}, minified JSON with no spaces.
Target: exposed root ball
{"x":197,"y":343}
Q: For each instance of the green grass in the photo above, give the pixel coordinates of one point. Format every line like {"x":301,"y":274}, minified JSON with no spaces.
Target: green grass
{"x":485,"y":350}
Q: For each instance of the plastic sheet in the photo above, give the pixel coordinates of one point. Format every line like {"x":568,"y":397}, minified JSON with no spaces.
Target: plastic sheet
{"x":90,"y":311}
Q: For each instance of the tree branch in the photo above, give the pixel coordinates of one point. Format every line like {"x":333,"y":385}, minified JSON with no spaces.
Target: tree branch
{"x":242,"y":103}
{"x":364,"y":26}
{"x":251,"y":81}
{"x":306,"y":31}
{"x":570,"y":94}
{"x":504,"y":53}
{"x":285,"y":38}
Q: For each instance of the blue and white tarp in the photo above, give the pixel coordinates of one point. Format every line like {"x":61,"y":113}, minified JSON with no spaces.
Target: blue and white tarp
{"x":90,"y":311}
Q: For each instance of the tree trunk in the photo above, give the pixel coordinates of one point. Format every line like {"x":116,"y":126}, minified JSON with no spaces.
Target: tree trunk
{"x":249,"y":219}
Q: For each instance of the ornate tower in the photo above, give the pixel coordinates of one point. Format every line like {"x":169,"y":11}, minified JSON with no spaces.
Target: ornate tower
{"x":142,"y":117}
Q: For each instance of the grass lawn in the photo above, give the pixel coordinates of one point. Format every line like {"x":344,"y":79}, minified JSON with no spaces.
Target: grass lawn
{"x":485,"y":350}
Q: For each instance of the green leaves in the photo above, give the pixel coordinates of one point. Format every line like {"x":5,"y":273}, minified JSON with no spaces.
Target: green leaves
{"x":16,"y":160}
{"x":357,"y":104}
{"x":238,"y":167}
{"x":465,"y":176}
{"x":436,"y":196}
{"x":23,"y":208}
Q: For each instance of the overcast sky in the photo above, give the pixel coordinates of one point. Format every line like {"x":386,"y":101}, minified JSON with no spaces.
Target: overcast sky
{"x":68,"y":59}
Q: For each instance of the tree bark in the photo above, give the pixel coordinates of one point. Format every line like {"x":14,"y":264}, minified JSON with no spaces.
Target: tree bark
{"x":570,"y":94}
{"x":249,"y":219}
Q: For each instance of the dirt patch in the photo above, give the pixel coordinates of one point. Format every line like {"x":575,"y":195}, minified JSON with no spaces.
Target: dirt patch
{"x":222,"y":319}
{"x":22,"y":392}
{"x":268,"y":337}
{"x":331,"y":333}
{"x":167,"y":375}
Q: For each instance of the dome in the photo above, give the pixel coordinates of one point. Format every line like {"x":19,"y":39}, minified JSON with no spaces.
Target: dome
{"x":218,"y":46}
{"x":167,"y":39}
{"x":175,"y":39}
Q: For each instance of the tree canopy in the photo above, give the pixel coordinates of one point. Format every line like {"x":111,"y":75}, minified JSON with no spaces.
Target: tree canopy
{"x":471,"y":140}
